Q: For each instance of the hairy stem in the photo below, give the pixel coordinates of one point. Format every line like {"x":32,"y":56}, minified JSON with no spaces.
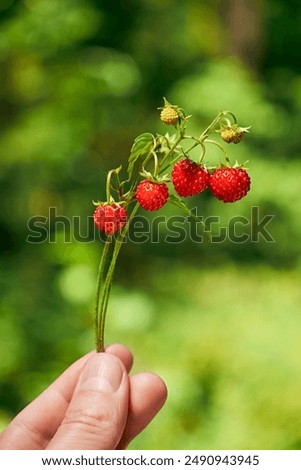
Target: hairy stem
{"x":104,"y":284}
{"x":101,"y":269}
{"x":105,"y":298}
{"x":170,"y":151}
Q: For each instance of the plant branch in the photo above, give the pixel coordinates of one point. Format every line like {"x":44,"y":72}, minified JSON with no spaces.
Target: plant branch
{"x":105,"y":286}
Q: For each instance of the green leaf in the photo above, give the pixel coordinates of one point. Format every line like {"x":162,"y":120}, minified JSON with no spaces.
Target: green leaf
{"x":142,"y":147}
{"x":176,"y":201}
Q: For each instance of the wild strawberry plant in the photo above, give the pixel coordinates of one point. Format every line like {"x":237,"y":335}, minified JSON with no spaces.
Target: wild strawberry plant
{"x":157,"y":162}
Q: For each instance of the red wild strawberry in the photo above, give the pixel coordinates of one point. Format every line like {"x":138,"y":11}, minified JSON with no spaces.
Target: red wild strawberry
{"x":151,"y":196}
{"x":109,"y":218}
{"x":189,"y":178}
{"x":230,"y":184}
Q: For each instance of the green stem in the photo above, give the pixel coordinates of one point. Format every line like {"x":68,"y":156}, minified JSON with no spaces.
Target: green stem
{"x":180,"y":137}
{"x":212,"y":125}
{"x":231,"y":114}
{"x":195,"y":217}
{"x":207,"y":131}
{"x":102,"y":264}
{"x":155,"y":164}
{"x":105,"y":298}
{"x":202,"y":156}
{"x":170,"y":164}
{"x":105,"y":285}
{"x":208,"y":141}
{"x":135,"y":182}
{"x":108,"y":185}
{"x":194,"y":145}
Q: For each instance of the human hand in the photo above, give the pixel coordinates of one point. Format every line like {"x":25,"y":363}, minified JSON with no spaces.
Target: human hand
{"x":94,"y":404}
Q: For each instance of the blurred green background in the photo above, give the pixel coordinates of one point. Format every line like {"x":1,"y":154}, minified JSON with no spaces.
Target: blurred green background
{"x":80,"y":79}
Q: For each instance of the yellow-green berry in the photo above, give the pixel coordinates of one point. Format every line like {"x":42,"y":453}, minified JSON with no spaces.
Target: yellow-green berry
{"x":232,"y":134}
{"x":169,"y":116}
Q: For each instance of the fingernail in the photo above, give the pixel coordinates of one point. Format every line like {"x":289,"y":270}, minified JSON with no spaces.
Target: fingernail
{"x":102,"y":372}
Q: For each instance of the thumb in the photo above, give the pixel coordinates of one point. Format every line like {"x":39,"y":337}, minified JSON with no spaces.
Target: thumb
{"x":97,"y":413}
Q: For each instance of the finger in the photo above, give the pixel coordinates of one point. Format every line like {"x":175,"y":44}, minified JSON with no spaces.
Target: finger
{"x":148,"y":394}
{"x":123,"y":353}
{"x":97,"y":414}
{"x":35,"y":426}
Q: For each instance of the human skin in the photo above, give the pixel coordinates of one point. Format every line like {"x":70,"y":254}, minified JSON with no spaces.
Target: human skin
{"x":94,"y":404}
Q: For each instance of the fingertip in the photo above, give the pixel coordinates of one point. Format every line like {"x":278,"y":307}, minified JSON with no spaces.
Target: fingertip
{"x":123,"y":353}
{"x":148,"y":395}
{"x":155,"y":384}
{"x":103,"y":372}
{"x":97,"y":413}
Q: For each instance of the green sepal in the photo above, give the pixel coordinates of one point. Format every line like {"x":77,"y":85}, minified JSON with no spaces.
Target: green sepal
{"x":142,"y":147}
{"x":117,"y":170}
{"x":155,"y":179}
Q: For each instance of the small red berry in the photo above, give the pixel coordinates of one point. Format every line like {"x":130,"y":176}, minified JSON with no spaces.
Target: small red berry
{"x":151,"y":196}
{"x":230,"y":184}
{"x":189,"y":178}
{"x":109,"y":218}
